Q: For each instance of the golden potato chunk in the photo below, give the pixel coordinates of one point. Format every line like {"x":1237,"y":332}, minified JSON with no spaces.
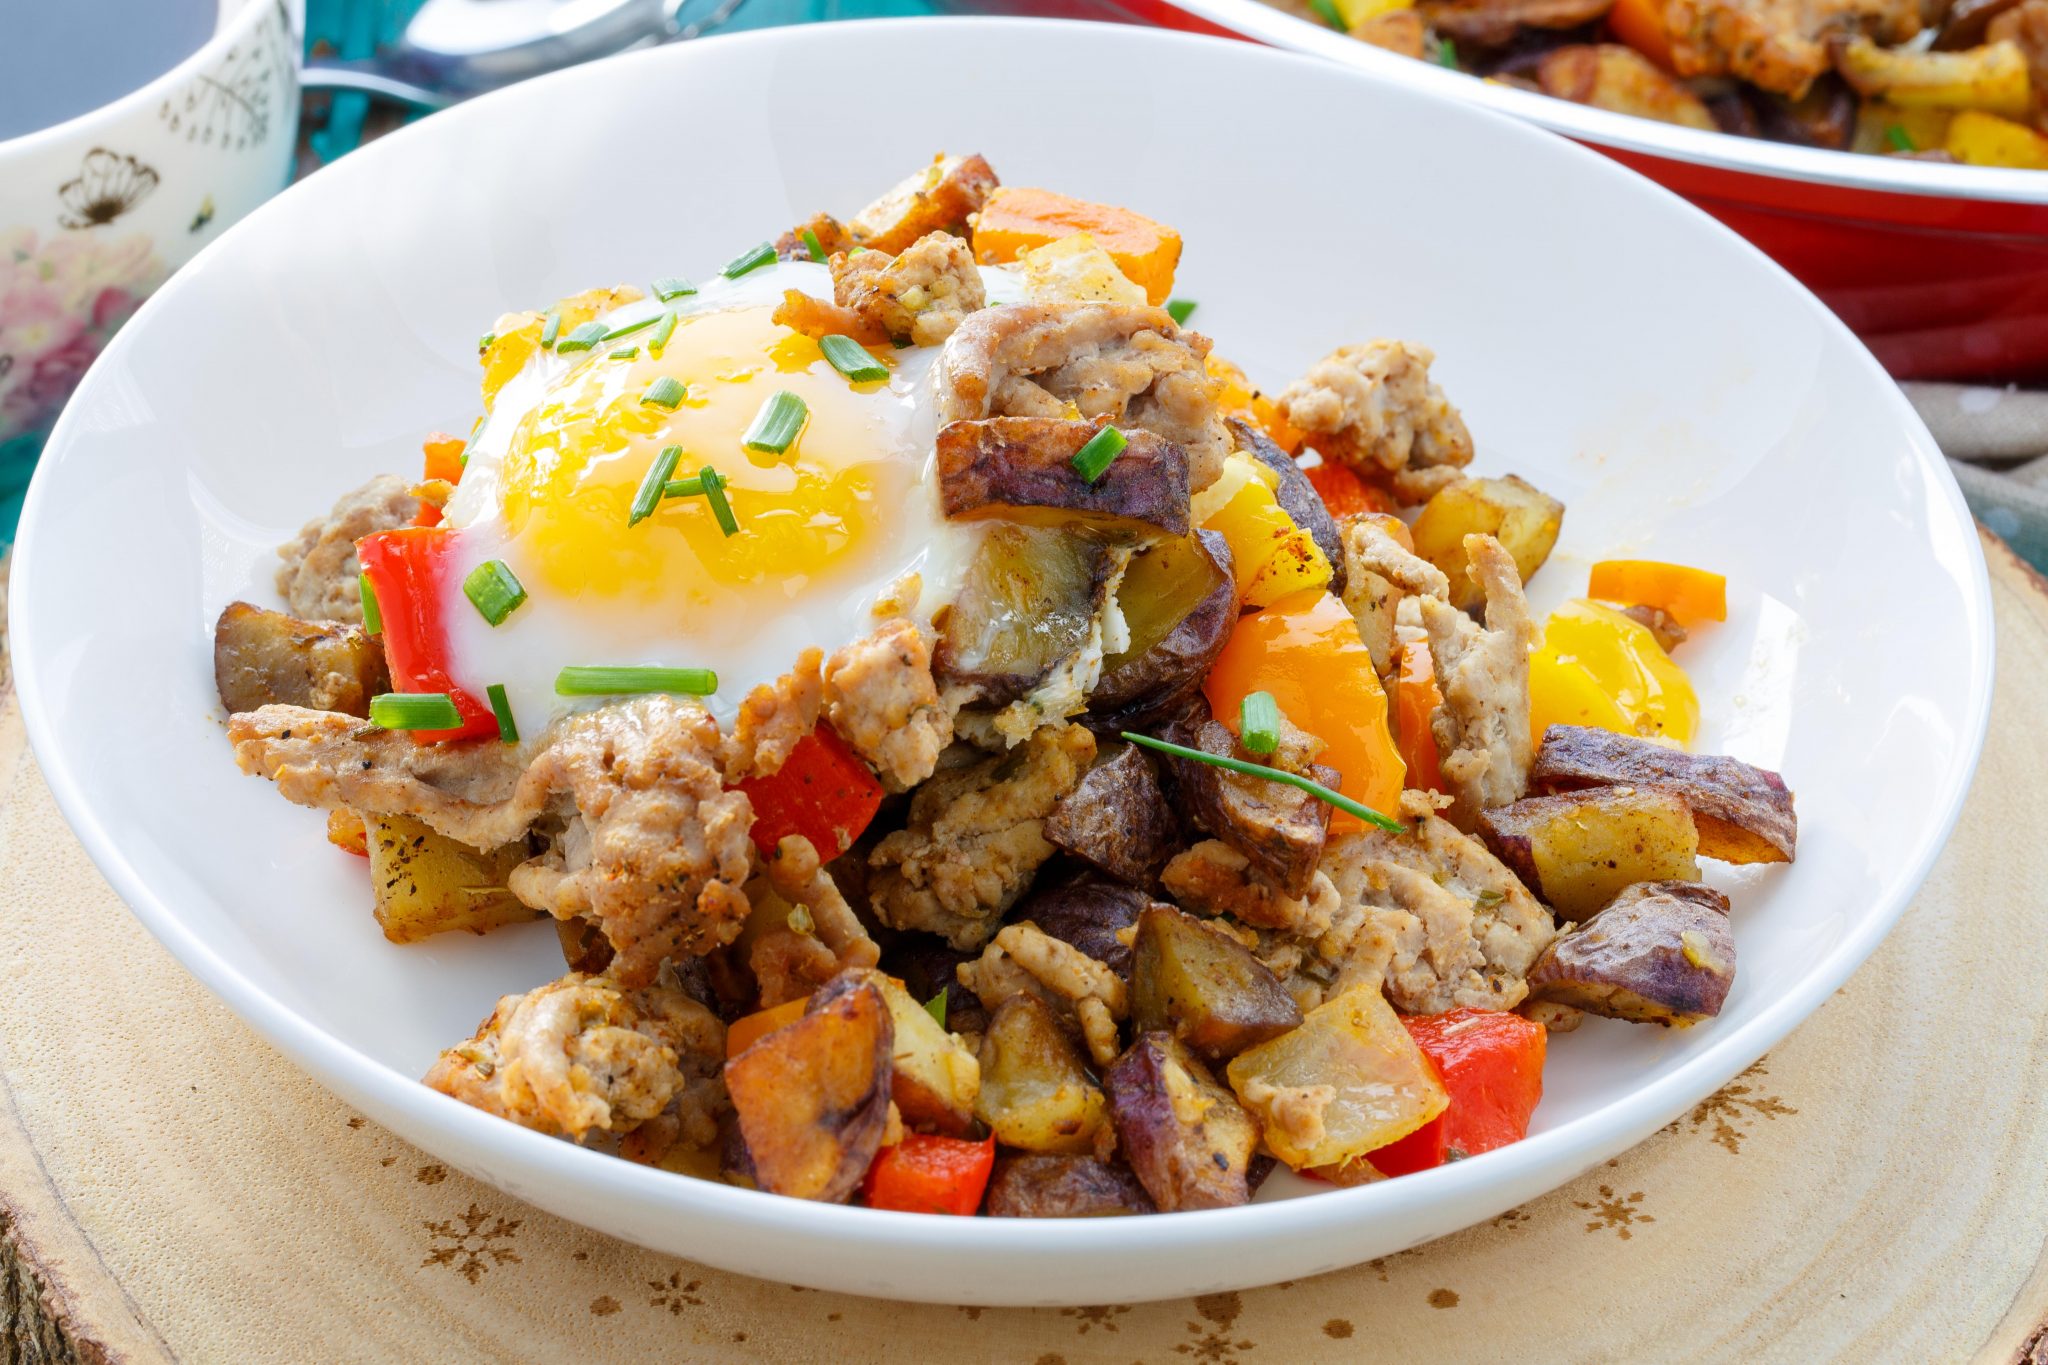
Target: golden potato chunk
{"x":1035,"y":1090}
{"x":1744,"y":814}
{"x":1523,"y":518}
{"x":426,"y":883}
{"x":1580,"y":850}
{"x":262,"y":658}
{"x":813,"y":1096}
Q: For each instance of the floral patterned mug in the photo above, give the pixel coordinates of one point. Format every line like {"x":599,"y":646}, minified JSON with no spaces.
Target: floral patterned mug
{"x":96,"y":211}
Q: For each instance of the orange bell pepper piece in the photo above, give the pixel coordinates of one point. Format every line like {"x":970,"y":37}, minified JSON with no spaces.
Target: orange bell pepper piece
{"x":1305,"y":650}
{"x":1416,"y":698}
{"x":924,"y":1174}
{"x":744,"y":1032}
{"x":1689,"y":595}
{"x":1348,"y":495}
{"x":444,"y":456}
{"x":1015,"y":220}
{"x":1491,"y":1063}
{"x":1640,"y":24}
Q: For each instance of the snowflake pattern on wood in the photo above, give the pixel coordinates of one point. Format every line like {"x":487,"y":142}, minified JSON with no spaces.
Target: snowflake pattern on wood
{"x":1732,"y":1111}
{"x":1103,"y":1315}
{"x":230,"y":106}
{"x":1614,"y":1212}
{"x":467,"y":1246}
{"x":675,"y":1293}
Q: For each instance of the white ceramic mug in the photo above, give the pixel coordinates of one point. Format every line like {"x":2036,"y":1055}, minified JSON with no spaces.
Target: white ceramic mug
{"x":96,"y":211}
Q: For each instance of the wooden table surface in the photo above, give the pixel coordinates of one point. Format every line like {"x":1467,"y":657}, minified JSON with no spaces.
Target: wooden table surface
{"x":1876,"y":1189}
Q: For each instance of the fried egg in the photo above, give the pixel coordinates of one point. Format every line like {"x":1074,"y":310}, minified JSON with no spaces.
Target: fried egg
{"x":827,"y":528}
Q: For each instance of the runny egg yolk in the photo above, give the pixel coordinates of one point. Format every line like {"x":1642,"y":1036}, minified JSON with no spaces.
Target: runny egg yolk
{"x":579,"y":456}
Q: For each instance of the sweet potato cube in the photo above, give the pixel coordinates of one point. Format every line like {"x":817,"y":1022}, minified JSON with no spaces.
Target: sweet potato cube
{"x":1016,"y":220}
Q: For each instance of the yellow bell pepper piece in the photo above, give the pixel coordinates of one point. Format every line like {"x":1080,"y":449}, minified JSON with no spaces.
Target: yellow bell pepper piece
{"x":1981,"y":139}
{"x":1599,"y":668}
{"x":1270,"y":556}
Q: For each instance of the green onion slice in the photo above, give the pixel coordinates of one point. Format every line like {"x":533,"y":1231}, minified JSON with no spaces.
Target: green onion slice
{"x":626,"y":353}
{"x":1327,"y":12}
{"x":694,"y":486}
{"x":1180,"y":310}
{"x":1258,"y":723}
{"x":665,"y":392}
{"x":777,"y":424}
{"x":814,"y":246}
{"x":672,"y":287}
{"x":663,"y":330}
{"x":373,"y":619}
{"x":713,"y":484}
{"x":582,"y":339}
{"x":1238,"y":765}
{"x":580,"y":680}
{"x":1095,"y":458}
{"x":483,"y":343}
{"x":508,"y":729}
{"x":751,"y":259}
{"x":494,"y":590}
{"x":853,"y":360}
{"x":414,"y":711}
{"x":1447,"y":54}
{"x":1900,"y":139}
{"x":550,"y":329}
{"x":629,"y":328}
{"x":936,"y":1006}
{"x":649,"y":495}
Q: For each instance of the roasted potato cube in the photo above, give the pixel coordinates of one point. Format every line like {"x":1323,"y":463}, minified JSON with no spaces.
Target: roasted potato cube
{"x":1022,"y":469}
{"x":1187,"y":1138}
{"x":935,"y":1078}
{"x":1117,"y":818}
{"x":1296,"y":495}
{"x":1025,"y":605}
{"x":1523,"y":518}
{"x":1031,"y":1185}
{"x":1076,"y":269}
{"x":1992,"y":78}
{"x":939,"y":198}
{"x":1091,"y":915}
{"x":1662,"y":953}
{"x":1744,"y":814}
{"x":1579,"y":851}
{"x":1350,"y":1079}
{"x":1279,"y":828}
{"x":426,"y":883}
{"x":1035,"y":1090}
{"x":1179,"y":602}
{"x":1204,"y":987}
{"x":813,"y":1097}
{"x":265,"y":657}
{"x":1611,"y":76}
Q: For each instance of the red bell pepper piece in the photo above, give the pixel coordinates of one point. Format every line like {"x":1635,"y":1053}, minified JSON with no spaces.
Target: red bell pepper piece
{"x":407,"y":569}
{"x":822,"y":791}
{"x":924,"y":1174}
{"x":1491,"y":1062}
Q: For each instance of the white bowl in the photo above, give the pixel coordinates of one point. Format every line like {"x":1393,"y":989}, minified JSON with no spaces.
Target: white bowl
{"x":1683,"y":396}
{"x":97,"y":210}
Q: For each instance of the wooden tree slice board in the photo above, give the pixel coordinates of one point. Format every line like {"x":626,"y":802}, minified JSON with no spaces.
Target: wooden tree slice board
{"x":1876,"y":1189}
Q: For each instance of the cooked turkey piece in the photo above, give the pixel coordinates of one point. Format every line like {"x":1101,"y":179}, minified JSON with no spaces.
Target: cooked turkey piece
{"x":1131,"y":364}
{"x":1375,"y":407}
{"x":1482,"y":729}
{"x":918,"y":298}
{"x":319,"y":577}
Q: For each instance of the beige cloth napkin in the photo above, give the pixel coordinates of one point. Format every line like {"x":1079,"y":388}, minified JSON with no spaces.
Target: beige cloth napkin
{"x":1997,"y":444}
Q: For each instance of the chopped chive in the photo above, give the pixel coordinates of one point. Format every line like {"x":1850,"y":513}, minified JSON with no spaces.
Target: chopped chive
{"x":852,"y":359}
{"x":1258,"y":723}
{"x":550,"y":329}
{"x":373,"y":619}
{"x":581,"y":680}
{"x":1180,"y":310}
{"x":1094,"y":458}
{"x":494,"y":590}
{"x":615,"y":333}
{"x":1238,"y":765}
{"x":663,"y":330}
{"x":814,"y":246}
{"x":713,"y":484}
{"x":508,"y":729}
{"x":752,"y":259}
{"x":414,"y":711}
{"x":1447,"y":54}
{"x":665,"y":392}
{"x":626,"y":353}
{"x":672,"y":287}
{"x":777,"y":424}
{"x":1900,"y":139}
{"x":936,"y":1006}
{"x":1327,"y":12}
{"x":582,"y":339}
{"x":483,"y":343}
{"x":649,"y":496}
{"x":695,"y":485}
